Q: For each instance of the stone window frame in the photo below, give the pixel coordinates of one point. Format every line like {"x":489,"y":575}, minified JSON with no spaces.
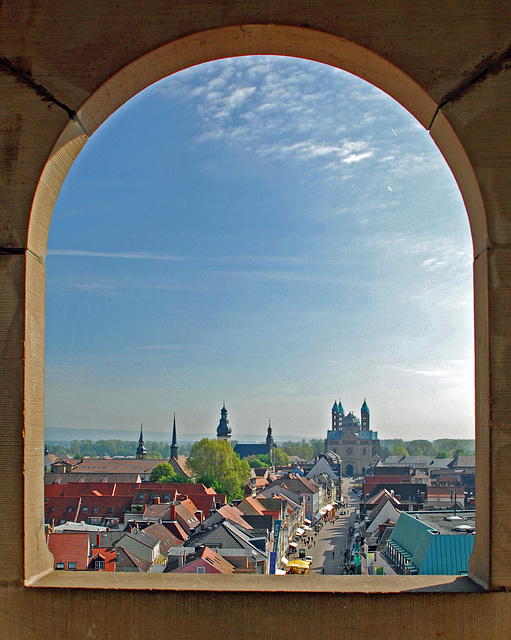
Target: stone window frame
{"x":122,"y":86}
{"x":23,"y":420}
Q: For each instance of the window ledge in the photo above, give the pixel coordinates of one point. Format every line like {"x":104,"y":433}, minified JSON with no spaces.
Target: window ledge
{"x":222,"y":583}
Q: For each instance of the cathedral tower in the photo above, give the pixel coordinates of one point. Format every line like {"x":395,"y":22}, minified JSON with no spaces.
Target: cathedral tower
{"x":364,"y":415}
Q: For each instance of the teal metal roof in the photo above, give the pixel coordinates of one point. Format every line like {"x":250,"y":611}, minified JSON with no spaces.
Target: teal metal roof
{"x":368,"y":435}
{"x":431,"y":553}
{"x":448,"y":555}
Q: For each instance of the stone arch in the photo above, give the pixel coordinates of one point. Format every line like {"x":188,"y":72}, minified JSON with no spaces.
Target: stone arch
{"x":270,"y":40}
{"x":459,"y":55}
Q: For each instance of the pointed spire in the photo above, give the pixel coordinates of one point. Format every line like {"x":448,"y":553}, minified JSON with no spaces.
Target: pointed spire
{"x":269,"y":438}
{"x":173,"y":447}
{"x":141,"y":450}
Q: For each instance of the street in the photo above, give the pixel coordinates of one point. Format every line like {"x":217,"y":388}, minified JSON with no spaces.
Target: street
{"x":330,"y":544}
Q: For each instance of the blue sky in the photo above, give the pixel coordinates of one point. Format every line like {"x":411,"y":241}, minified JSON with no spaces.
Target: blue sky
{"x":269,"y":231}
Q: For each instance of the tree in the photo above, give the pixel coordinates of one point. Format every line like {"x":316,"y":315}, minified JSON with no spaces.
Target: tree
{"x":279,"y":457}
{"x":442,"y":454}
{"x":318,"y":446}
{"x":255,"y":463}
{"x":163,"y":473}
{"x":216,"y":460}
{"x":399,"y":450}
{"x":416,"y":450}
{"x":154,"y":455}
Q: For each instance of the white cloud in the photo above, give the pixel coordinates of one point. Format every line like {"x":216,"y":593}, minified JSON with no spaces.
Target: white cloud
{"x":357,"y":157}
{"x":120,"y":255}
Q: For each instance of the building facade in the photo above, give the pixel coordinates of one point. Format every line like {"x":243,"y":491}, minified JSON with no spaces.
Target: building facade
{"x":353,"y":440}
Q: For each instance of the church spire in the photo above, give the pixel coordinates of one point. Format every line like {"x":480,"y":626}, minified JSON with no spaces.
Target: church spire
{"x":173,"y":447}
{"x":223,"y":431}
{"x":269,"y":438}
{"x":141,"y":450}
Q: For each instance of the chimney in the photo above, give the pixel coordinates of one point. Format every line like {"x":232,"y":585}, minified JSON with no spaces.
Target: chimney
{"x":98,"y":539}
{"x":156,"y":500}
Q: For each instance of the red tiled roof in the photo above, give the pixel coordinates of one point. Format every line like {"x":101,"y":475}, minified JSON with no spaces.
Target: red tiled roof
{"x":105,"y":554}
{"x":69,"y":547}
{"x":166,"y":538}
{"x":185,"y":517}
{"x":104,"y":465}
{"x":204,"y":503}
{"x":61,"y":509}
{"x":234,"y":515}
{"x":76,"y":509}
{"x":177,"y":530}
{"x":253,"y":504}
{"x":210,"y":561}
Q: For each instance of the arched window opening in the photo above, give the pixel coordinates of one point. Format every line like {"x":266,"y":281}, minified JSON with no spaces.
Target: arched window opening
{"x":270,"y":229}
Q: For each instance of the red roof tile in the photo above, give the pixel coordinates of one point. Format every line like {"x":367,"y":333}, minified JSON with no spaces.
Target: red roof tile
{"x":69,"y":548}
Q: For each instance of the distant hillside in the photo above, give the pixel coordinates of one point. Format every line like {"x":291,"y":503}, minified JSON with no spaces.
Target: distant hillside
{"x":59,"y":435}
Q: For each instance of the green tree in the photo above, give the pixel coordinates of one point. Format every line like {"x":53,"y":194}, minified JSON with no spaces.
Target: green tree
{"x":280,"y":457}
{"x":442,"y":454}
{"x":399,"y":450}
{"x":255,"y":463}
{"x":318,"y":446}
{"x":416,"y":450}
{"x":74,"y":449}
{"x":208,"y":481}
{"x":305,"y":450}
{"x":216,"y":458}
{"x":163,"y":473}
{"x":154,"y":455}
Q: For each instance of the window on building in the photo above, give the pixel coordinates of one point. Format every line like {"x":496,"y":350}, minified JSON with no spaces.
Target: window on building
{"x":59,"y":565}
{"x":71,"y":565}
{"x":201,"y":569}
{"x":99,"y":565}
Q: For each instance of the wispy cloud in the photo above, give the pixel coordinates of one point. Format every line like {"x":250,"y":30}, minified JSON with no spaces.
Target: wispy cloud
{"x":162,"y":347}
{"x":265,"y":106}
{"x":119,"y":255}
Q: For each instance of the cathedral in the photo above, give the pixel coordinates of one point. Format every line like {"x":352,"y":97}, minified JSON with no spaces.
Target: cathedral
{"x":352,"y":439}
